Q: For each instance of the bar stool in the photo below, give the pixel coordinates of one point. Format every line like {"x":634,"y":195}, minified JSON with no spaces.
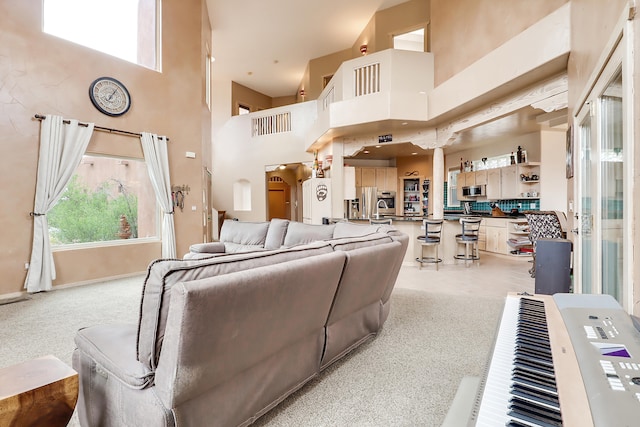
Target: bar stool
{"x":469,"y":238}
{"x":431,"y":238}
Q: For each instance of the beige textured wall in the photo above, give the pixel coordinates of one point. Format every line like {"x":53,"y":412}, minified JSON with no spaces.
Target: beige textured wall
{"x":592,"y":24}
{"x":463,"y":31}
{"x":318,"y":68}
{"x":377,"y":35}
{"x":47,"y":75}
{"x":400,"y":19}
{"x":242,"y":95}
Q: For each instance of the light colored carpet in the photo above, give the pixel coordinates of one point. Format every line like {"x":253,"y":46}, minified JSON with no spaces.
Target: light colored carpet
{"x":440,"y":329}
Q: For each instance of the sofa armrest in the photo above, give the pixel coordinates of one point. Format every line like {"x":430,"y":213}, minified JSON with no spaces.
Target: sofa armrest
{"x":113,"y":348}
{"x":207,"y":248}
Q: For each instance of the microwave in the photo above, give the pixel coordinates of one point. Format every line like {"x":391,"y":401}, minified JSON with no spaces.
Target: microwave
{"x":474,"y":190}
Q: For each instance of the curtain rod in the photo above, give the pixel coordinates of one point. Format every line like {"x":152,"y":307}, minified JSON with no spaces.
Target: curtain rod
{"x":100,"y":128}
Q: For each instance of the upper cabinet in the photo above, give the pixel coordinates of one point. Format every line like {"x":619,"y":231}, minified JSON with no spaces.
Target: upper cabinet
{"x":368,"y":177}
{"x":480,"y":177}
{"x":494,"y":186}
{"x":466,"y":179}
{"x":521,"y":181}
{"x":508,"y":182}
{"x":384,"y":179}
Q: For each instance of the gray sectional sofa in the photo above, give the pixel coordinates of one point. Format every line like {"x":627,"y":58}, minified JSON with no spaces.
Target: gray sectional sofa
{"x":224,"y":338}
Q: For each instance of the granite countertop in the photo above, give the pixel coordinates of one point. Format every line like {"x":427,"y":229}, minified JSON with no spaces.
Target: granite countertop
{"x":448,"y":216}
{"x":454,"y":215}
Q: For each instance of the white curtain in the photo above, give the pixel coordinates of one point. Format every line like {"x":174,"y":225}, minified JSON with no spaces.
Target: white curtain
{"x":61,"y":150}
{"x":157,"y":159}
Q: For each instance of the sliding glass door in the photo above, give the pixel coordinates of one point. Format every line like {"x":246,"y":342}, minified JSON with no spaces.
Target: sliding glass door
{"x":586,"y":191}
{"x":612,"y":188}
{"x":603,"y":230}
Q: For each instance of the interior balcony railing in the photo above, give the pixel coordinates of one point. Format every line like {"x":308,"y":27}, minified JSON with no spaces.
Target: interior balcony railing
{"x":392,"y":85}
{"x":383,"y":86}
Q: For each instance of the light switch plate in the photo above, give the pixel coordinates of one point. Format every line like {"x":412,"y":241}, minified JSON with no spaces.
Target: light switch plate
{"x":191,"y":155}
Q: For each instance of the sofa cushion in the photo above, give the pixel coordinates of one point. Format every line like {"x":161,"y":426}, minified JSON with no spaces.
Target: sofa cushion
{"x":299,"y":233}
{"x":275,"y":234}
{"x":207,"y":248}
{"x":112,"y":346}
{"x":243,"y":236}
{"x":163,"y":274}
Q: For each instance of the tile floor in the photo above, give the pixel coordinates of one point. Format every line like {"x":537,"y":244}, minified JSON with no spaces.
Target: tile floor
{"x":492,"y":275}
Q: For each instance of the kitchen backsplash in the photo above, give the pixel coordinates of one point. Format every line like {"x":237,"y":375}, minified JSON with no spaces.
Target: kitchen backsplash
{"x":505,"y":205}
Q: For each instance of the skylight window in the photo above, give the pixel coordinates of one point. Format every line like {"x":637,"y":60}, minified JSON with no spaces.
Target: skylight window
{"x":122,"y":28}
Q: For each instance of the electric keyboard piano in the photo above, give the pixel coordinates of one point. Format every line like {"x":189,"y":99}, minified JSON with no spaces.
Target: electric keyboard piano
{"x":561,"y":360}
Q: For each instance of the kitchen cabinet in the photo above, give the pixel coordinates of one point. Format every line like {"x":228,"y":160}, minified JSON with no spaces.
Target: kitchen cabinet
{"x":368,"y":177}
{"x":480,"y":177}
{"x":391,"y":179}
{"x":465,"y":179}
{"x":496,"y":235}
{"x":482,"y":237}
{"x":509,"y":182}
{"x":383,"y":178}
{"x":494,"y":189}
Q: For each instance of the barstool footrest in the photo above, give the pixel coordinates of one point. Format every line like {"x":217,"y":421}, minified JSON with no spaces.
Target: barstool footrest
{"x":464,"y":257}
{"x":428,"y":260}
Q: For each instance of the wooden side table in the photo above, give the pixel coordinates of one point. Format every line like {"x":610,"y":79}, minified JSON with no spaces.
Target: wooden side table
{"x":38,"y":392}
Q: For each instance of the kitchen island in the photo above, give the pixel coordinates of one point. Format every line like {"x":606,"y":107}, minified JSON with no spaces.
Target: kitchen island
{"x":493,"y":236}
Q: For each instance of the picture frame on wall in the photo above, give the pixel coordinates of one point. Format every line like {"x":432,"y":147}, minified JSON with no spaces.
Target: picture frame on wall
{"x":569,"y":153}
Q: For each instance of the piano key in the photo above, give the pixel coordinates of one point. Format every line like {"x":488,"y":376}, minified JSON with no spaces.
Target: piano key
{"x":522,"y":363}
{"x":538,"y":400}
{"x":526,"y":412}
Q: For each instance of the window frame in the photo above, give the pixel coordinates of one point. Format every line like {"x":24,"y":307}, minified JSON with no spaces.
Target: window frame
{"x":115,"y":242}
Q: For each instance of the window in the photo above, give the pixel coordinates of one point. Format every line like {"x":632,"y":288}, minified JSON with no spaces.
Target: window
{"x":107,"y":199}
{"x":413,"y":40}
{"x":126,"y":29}
{"x":452,"y":188}
{"x":326,"y":80}
{"x":207,"y":79}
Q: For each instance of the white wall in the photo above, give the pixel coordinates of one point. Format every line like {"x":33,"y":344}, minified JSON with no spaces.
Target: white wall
{"x":497,"y":147}
{"x":238,"y":156}
{"x":553,"y":181}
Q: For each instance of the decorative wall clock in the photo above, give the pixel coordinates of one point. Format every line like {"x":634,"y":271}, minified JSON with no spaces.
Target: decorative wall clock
{"x":109,"y":96}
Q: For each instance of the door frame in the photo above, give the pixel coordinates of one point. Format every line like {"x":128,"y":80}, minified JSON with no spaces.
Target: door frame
{"x":618,"y":56}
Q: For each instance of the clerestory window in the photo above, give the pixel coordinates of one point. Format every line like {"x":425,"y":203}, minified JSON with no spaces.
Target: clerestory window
{"x":127,"y":29}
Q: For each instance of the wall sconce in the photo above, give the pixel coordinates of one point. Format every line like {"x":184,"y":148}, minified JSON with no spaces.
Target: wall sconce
{"x":363,"y":49}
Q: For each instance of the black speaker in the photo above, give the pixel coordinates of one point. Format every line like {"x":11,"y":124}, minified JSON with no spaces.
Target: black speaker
{"x":553,"y":266}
